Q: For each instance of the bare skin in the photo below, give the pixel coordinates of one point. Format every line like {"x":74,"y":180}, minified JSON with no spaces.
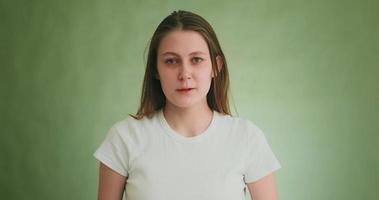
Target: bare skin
{"x":184,"y":62}
{"x":264,"y":189}
{"x":111,"y":184}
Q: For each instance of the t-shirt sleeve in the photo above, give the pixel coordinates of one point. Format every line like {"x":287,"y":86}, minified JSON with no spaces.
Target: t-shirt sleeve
{"x":113,"y":152}
{"x":261,"y":160}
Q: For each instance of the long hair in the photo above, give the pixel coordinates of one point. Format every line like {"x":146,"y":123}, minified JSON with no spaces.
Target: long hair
{"x":152,"y":97}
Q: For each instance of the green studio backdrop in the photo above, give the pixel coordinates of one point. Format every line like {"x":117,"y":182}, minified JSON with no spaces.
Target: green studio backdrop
{"x":306,"y":72}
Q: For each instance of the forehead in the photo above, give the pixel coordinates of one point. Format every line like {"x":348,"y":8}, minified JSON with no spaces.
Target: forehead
{"x":183,"y":43}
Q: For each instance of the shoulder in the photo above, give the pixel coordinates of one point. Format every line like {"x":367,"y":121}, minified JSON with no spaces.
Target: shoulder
{"x":129,"y":123}
{"x":134,"y":130}
{"x":240,"y":125}
{"x":132,"y":134}
{"x":239,"y":122}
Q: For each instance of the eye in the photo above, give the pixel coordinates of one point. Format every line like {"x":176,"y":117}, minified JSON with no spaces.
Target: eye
{"x":170,"y":61}
{"x":197,"y":59}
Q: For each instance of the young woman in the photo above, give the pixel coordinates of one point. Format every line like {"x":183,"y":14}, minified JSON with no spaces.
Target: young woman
{"x":183,"y":143}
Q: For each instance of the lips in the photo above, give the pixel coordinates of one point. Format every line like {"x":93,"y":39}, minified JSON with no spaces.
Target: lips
{"x":184,"y":89}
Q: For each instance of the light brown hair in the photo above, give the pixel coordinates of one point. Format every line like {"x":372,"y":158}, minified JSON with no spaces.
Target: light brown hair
{"x":152,"y":97}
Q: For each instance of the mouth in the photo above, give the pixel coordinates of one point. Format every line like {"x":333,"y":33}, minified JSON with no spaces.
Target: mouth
{"x":184,"y":89}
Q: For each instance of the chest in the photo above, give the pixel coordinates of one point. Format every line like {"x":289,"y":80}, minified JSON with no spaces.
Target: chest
{"x":199,"y":171}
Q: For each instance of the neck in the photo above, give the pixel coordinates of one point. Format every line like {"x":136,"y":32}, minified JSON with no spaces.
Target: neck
{"x":188,"y":122}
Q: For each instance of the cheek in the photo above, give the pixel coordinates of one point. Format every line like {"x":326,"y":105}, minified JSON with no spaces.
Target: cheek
{"x":166,"y":81}
{"x":205,"y":79}
{"x":205,"y":74}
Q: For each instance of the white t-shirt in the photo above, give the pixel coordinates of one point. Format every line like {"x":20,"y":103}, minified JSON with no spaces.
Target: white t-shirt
{"x":163,"y":165}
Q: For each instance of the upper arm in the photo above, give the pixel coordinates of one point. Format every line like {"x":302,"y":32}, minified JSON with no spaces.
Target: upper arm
{"x":111,"y":184}
{"x":264,"y":188}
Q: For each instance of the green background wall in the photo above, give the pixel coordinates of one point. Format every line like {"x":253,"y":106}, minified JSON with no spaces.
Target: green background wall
{"x":306,"y":72}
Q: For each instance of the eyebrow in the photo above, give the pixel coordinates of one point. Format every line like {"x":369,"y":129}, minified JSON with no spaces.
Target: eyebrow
{"x":193,"y":53}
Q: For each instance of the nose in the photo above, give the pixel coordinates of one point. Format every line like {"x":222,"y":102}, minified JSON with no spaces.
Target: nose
{"x":185,"y":72}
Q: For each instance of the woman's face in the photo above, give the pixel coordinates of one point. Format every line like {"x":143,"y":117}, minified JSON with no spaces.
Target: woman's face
{"x":184,"y":68}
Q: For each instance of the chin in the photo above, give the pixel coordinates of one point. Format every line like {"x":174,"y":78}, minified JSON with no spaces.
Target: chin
{"x":185,"y":103}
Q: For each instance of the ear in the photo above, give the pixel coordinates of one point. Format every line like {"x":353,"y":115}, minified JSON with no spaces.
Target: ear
{"x":156,"y":76}
{"x":220,"y":64}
